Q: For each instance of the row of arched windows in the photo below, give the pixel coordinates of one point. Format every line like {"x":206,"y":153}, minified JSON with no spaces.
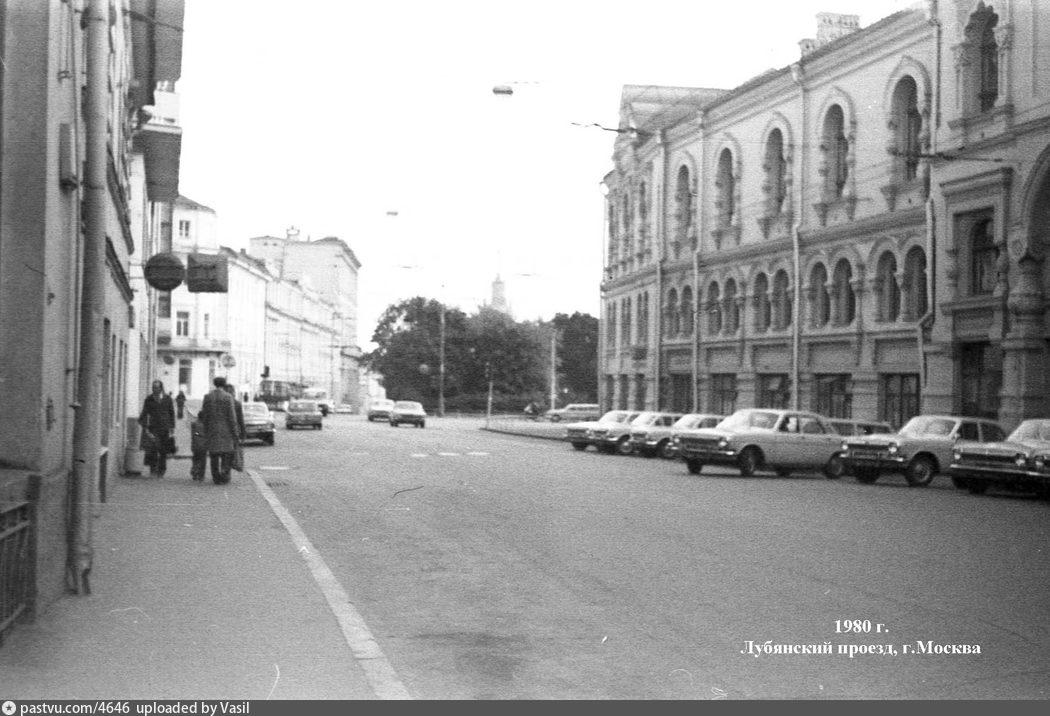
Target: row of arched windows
{"x":829,"y":296}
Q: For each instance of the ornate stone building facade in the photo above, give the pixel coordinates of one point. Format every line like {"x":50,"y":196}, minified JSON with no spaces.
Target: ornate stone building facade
{"x":857,"y":234}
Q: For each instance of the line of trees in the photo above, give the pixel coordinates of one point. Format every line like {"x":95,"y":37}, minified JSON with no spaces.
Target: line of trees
{"x":479,"y":347}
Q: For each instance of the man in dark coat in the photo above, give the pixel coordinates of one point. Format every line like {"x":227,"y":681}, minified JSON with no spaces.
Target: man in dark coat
{"x":157,"y":420}
{"x":180,"y":403}
{"x":221,"y":430}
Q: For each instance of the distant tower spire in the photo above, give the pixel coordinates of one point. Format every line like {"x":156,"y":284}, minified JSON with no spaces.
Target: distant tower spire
{"x":499,"y":295}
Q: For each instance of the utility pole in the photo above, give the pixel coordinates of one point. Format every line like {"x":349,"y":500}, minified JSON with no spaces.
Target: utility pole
{"x":441,"y":363}
{"x":554,"y":367}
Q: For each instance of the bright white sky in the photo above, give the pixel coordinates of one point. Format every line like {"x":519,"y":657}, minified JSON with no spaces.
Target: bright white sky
{"x":327,"y":114}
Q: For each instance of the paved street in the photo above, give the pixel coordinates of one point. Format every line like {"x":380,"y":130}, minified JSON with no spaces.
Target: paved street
{"x":498,"y":566}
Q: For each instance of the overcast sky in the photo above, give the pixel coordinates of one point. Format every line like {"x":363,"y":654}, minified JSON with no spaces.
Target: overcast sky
{"x":330,"y":114}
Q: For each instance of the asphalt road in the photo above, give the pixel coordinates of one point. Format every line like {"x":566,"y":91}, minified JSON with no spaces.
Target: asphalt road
{"x":490,"y":566}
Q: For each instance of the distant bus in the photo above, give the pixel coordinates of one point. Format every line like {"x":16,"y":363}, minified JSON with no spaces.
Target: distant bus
{"x":277,"y":393}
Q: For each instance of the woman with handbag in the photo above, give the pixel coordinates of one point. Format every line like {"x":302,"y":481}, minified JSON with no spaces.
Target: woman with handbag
{"x":157,"y":420}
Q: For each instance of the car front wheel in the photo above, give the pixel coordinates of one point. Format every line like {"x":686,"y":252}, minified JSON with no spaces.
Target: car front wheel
{"x":665,"y":450}
{"x":579,"y":446}
{"x":555,"y":418}
{"x":866,"y":475}
{"x":694,"y":466}
{"x":393,"y":423}
{"x":835,"y":468}
{"x":920,"y":472}
{"x":624,"y":446}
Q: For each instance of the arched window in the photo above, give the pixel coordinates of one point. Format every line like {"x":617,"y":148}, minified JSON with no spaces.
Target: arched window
{"x":781,"y":300}
{"x":843,"y":300}
{"x":683,"y":200}
{"x":907,"y":123}
{"x":671,"y":314}
{"x":761,"y":303}
{"x":835,"y":147}
{"x":725,"y":185}
{"x":820,"y":300}
{"x":731,"y":310}
{"x":714,"y":310}
{"x":687,"y":310}
{"x":915,"y":284}
{"x":886,"y":289}
{"x":775,"y":168}
{"x":988,"y":91}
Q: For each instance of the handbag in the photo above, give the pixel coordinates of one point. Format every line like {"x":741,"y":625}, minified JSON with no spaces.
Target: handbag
{"x":169,"y":445}
{"x":238,"y":459}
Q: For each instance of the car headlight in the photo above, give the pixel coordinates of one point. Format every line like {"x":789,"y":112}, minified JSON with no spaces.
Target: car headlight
{"x":956,"y":455}
{"x":893,"y":448}
{"x":676,"y":441}
{"x":844,"y":447}
{"x":1041,"y":462}
{"x":723,"y":443}
{"x":1021,"y":460}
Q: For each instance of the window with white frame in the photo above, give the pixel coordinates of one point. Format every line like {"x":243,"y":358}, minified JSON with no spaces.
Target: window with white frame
{"x":182,"y":323}
{"x":184,"y":229}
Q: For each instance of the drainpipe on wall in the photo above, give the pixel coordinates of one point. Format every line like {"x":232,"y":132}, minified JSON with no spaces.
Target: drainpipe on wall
{"x":931,"y":230}
{"x":696,"y":331}
{"x":87,"y":433}
{"x":799,"y":77}
{"x":658,"y":359}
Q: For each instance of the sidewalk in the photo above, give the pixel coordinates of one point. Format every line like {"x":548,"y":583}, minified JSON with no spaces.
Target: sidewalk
{"x":197,"y":593}
{"x":516,"y":425}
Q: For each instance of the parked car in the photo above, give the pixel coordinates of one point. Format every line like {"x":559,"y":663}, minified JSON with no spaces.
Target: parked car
{"x":379,"y":409}
{"x":580,"y":434}
{"x":258,"y":423}
{"x":691,"y":421}
{"x":756,"y":439}
{"x":1021,"y":463}
{"x":344,"y":409}
{"x":850,"y":427}
{"x":574,"y":411}
{"x":610,"y":437}
{"x":303,"y":414}
{"x":651,"y":434}
{"x":408,"y":411}
{"x":919,"y":450}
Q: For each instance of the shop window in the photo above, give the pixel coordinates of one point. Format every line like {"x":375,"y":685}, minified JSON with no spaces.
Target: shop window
{"x":898,"y":398}
{"x":981,"y":377}
{"x":723,"y":393}
{"x":774,"y":391}
{"x":833,"y":395}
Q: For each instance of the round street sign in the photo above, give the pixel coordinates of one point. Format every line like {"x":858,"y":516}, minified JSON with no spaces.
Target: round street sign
{"x":164,"y":272}
{"x":227,"y":360}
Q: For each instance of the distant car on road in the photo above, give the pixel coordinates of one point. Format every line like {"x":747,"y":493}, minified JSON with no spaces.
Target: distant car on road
{"x":574,"y":411}
{"x":408,"y":411}
{"x":1021,"y":463}
{"x":754,"y":439}
{"x":919,"y":450}
{"x":581,"y":434}
{"x":303,"y":414}
{"x":379,"y":409}
{"x":615,"y":437}
{"x":258,"y":422}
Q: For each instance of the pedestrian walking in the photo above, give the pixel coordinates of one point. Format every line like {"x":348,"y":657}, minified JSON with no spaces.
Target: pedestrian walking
{"x":157,"y":420}
{"x":221,"y":431}
{"x":180,"y":403}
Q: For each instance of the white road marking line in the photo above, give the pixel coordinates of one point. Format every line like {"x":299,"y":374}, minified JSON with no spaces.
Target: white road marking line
{"x":418,"y":454}
{"x":449,"y":454}
{"x":378,"y":672}
{"x":477,"y":452}
{"x":274,"y":467}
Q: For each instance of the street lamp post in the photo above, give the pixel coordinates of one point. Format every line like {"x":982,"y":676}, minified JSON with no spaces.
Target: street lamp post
{"x":441,"y":363}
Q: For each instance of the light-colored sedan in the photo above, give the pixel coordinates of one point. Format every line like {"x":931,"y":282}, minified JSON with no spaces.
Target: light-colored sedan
{"x":651,"y":434}
{"x":581,"y":434}
{"x":920,"y":450}
{"x":756,"y":439}
{"x":408,"y":411}
{"x":1021,"y":463}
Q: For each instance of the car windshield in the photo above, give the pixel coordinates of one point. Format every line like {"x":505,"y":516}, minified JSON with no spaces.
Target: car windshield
{"x":256,"y":409}
{"x":749,"y":420}
{"x":407,"y":405}
{"x":688,"y":422}
{"x":645,"y":419}
{"x":302,"y":406}
{"x":1031,"y":430}
{"x":615,"y":416}
{"x":921,"y":426}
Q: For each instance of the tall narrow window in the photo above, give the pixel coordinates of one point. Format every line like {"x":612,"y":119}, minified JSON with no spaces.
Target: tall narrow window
{"x":643,"y":319}
{"x":732,"y":310}
{"x":164,"y":304}
{"x":989,"y":83}
{"x":687,"y":310}
{"x":182,"y":323}
{"x":844,"y":300}
{"x":683,"y":199}
{"x":983,"y":256}
{"x":833,"y":395}
{"x":206,"y":327}
{"x":898,"y":398}
{"x":184,"y":229}
{"x":723,"y":393}
{"x":914,"y":284}
{"x":907,"y":125}
{"x":836,"y":151}
{"x":774,"y":391}
{"x":820,"y":300}
{"x":775,"y":169}
{"x":781,"y":302}
{"x":886,"y":288}
{"x":761,"y":303}
{"x":671,"y":314}
{"x":725,"y":183}
{"x":714,"y":310}
{"x":610,"y":336}
{"x":625,"y":318}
